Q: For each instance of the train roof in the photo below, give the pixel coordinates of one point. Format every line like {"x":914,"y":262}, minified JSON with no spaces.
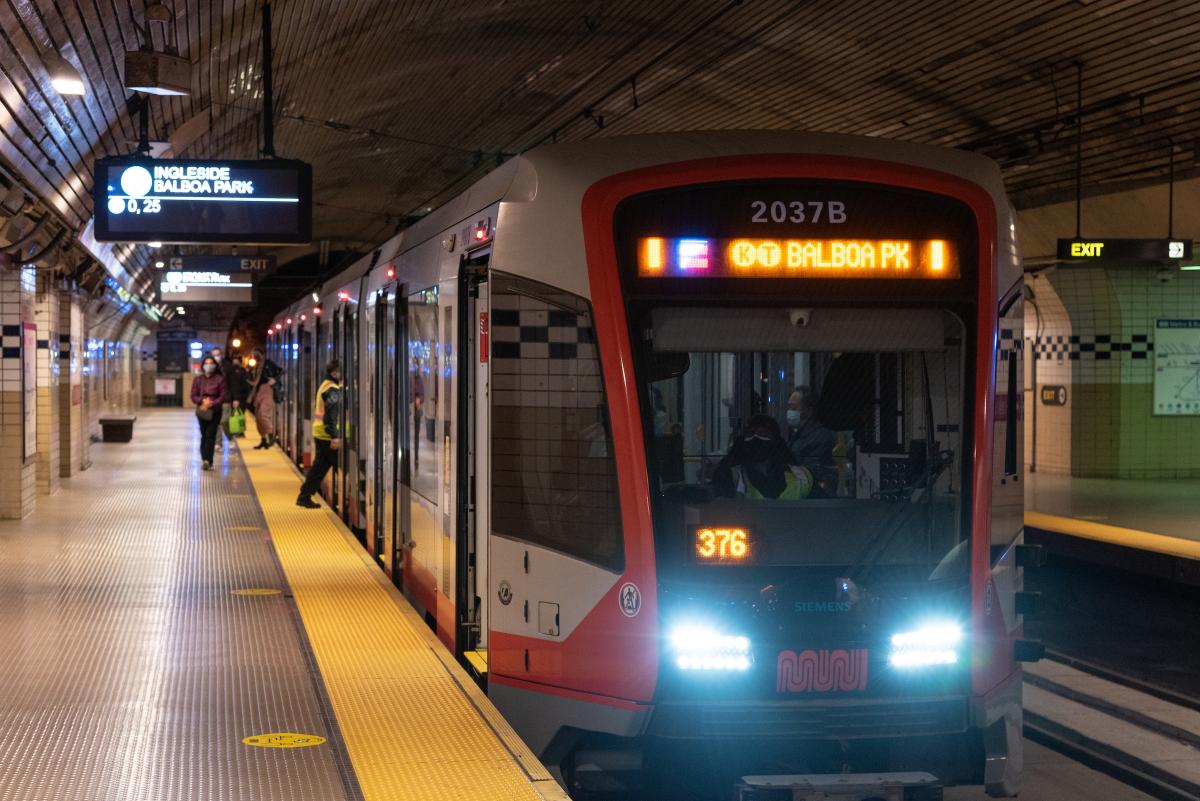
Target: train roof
{"x":541,"y":190}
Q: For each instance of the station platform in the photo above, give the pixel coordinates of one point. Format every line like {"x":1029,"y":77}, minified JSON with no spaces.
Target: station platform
{"x":177,"y":634}
{"x":1157,"y":523}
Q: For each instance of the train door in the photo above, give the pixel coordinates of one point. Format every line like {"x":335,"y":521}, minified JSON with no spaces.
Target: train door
{"x":304,"y":397}
{"x":290,"y":383}
{"x":471,"y":558}
{"x":371,"y":436}
{"x":386,"y":542}
{"x":336,"y":478}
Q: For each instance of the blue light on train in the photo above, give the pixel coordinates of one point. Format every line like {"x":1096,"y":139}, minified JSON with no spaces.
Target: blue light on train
{"x":703,"y":647}
{"x":692,"y":254}
{"x":936,"y":642}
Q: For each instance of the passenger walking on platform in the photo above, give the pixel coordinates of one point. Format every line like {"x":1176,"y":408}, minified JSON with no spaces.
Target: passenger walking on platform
{"x":326,"y":431}
{"x":261,"y":397}
{"x":219,"y":357}
{"x":209,"y":393}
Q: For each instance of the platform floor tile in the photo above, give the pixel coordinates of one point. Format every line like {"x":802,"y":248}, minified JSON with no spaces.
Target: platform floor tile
{"x":414,"y":724}
{"x":129,"y":669}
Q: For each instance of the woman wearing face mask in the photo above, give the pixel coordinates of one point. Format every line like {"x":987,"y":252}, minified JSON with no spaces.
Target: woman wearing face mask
{"x":759,"y":467}
{"x":208,"y":394}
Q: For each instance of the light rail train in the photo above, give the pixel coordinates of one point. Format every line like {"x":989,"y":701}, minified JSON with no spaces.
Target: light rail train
{"x":702,"y":449}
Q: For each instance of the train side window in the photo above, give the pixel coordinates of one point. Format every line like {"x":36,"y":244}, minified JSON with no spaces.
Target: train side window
{"x":554,"y":481}
{"x":424,"y":353}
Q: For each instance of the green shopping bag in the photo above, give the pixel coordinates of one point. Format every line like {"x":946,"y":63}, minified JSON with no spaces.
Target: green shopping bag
{"x":237,"y":422}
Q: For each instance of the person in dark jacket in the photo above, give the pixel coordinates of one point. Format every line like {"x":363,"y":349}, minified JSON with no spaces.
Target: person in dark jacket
{"x":209,"y":394}
{"x":326,"y":431}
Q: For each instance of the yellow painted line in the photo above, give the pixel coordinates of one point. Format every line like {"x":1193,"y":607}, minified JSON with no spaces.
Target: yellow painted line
{"x":1127,"y":537}
{"x":243,"y":528}
{"x":257,"y":591}
{"x":478,"y":660}
{"x":284,"y":739}
{"x":414,"y":723}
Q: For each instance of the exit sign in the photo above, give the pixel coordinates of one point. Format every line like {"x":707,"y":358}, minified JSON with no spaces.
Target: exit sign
{"x":1108,"y":250}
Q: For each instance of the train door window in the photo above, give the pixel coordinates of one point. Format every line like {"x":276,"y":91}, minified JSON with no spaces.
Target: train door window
{"x":554,"y":481}
{"x":424,"y":353}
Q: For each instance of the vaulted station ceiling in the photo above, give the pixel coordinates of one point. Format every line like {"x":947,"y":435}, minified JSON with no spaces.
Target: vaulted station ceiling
{"x":400,"y":103}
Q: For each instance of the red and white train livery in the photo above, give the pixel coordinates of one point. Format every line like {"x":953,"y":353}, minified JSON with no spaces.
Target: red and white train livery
{"x":707,"y":444}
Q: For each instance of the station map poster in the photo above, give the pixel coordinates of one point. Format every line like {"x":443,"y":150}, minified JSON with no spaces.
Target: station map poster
{"x":1176,"y":367}
{"x":29,"y":389}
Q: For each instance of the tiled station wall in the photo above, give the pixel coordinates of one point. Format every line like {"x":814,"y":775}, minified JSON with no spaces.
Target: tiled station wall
{"x":1097,"y":339}
{"x":80,"y":375}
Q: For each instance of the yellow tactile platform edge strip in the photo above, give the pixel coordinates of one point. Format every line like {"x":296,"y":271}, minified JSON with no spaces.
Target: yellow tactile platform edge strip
{"x":414,"y":724}
{"x":1127,"y":537}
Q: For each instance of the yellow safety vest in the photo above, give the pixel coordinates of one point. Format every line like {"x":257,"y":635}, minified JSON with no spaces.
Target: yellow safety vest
{"x":795,"y":487}
{"x":318,"y":426}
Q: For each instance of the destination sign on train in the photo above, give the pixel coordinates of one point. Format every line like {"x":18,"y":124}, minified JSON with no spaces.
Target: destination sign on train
{"x":1153,"y":250}
{"x":662,"y":257}
{"x":186,"y":201}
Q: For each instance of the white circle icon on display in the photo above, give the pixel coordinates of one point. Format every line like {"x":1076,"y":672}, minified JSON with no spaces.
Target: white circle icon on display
{"x":116,"y":205}
{"x":136,"y":181}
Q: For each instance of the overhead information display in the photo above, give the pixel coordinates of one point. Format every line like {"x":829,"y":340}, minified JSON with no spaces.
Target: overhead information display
{"x":1177,"y":367}
{"x":660,"y":257}
{"x":191,"y":202}
{"x":1107,"y":250}
{"x":210,"y":279}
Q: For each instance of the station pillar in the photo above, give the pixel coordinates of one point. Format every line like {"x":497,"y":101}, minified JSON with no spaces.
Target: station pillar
{"x":72,"y":443}
{"x":46,"y":312}
{"x":18,"y":393}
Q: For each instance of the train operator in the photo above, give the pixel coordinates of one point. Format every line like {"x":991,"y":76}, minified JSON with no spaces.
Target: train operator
{"x":326,"y":431}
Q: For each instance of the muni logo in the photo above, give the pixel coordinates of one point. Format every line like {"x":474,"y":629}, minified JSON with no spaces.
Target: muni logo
{"x":810,"y":671}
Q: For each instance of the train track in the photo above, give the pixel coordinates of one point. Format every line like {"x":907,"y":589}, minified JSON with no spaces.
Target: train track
{"x":1120,"y":725}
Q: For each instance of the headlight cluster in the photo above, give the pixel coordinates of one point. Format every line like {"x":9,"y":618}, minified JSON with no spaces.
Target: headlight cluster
{"x":705,"y":648}
{"x":935,"y":643}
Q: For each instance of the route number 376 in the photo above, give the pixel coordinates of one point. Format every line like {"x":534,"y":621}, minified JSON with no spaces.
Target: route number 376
{"x":798,"y":211}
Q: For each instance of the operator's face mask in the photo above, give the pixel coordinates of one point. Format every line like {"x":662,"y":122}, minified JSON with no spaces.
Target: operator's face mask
{"x":209,"y":369}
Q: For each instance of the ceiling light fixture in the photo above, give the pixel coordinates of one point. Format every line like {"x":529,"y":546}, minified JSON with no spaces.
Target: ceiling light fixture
{"x":65,"y":79}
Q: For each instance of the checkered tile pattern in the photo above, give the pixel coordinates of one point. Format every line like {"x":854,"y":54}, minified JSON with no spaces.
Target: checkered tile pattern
{"x":1010,"y":346}
{"x":10,"y":342}
{"x":1101,"y":347}
{"x":528,"y":333}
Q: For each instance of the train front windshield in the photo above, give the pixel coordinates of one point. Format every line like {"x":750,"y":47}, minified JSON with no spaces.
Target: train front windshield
{"x":803,"y":358}
{"x":814,"y":438}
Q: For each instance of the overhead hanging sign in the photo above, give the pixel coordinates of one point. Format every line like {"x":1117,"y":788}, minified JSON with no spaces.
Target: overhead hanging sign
{"x":195,"y":202}
{"x":211,"y":278}
{"x":257,"y":265}
{"x":1108,"y":250}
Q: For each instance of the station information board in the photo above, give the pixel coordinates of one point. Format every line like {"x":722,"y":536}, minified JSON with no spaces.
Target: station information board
{"x":1177,"y":367}
{"x":193,"y":202}
{"x":210,"y":279}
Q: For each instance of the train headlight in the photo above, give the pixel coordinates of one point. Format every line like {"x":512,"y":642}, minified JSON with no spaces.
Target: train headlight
{"x":932,"y":643}
{"x":698,"y":647}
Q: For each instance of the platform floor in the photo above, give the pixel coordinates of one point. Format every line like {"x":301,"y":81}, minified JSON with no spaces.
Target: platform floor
{"x":1161,"y":516}
{"x":150,"y":642}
